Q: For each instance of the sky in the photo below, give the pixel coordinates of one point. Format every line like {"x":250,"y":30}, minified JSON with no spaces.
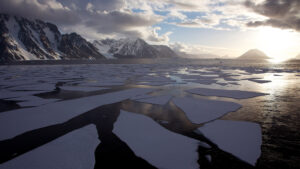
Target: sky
{"x":226,"y":28}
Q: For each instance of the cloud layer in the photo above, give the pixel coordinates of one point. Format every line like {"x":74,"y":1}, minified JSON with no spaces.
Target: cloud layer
{"x":283,"y":14}
{"x":156,"y":20}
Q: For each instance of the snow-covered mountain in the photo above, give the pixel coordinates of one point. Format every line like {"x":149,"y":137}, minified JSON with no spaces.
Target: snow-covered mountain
{"x":24,"y":39}
{"x":254,"y":54}
{"x":132,"y":48}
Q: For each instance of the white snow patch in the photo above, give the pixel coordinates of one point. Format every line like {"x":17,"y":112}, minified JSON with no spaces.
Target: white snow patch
{"x":14,"y":28}
{"x":103,"y":49}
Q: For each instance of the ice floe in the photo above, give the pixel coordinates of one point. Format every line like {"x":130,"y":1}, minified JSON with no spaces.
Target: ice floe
{"x":236,"y":94}
{"x":204,"y":110}
{"x":259,"y":80}
{"x":160,"y":100}
{"x":32,"y":101}
{"x":241,"y":139}
{"x":35,"y":87}
{"x":155,"y":144}
{"x":73,"y":150}
{"x":82,"y":88}
{"x":4,"y":94}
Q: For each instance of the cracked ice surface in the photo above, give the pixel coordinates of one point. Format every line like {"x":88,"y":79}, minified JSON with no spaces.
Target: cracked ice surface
{"x":204,"y":110}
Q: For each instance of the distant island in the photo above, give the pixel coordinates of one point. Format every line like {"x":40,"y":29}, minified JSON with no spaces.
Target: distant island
{"x":254,"y":54}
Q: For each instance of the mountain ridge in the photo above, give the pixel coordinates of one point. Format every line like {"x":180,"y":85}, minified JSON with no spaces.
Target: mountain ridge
{"x":26,"y":39}
{"x":132,"y":48}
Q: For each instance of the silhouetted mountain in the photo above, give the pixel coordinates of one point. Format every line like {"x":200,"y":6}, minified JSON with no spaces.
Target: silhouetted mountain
{"x":24,"y":39}
{"x":254,"y":54}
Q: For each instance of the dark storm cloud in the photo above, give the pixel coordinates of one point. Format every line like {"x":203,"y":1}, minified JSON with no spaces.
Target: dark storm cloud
{"x":283,"y":14}
{"x":117,"y":21}
{"x":101,"y":5}
{"x":48,"y":10}
{"x":101,"y":16}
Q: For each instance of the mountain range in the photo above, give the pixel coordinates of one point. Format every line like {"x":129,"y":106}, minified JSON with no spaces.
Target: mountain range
{"x":25,"y":39}
{"x":132,"y":48}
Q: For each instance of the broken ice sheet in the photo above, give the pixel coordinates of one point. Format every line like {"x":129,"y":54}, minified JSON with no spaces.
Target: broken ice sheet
{"x":236,"y":94}
{"x":73,"y":150}
{"x":204,"y":110}
{"x":155,"y":144}
{"x":241,"y":139}
{"x":58,"y":112}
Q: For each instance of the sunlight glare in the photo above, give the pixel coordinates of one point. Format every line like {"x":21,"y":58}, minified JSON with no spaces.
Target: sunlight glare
{"x":278,"y":44}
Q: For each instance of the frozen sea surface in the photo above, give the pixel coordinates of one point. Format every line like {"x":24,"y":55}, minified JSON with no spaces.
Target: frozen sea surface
{"x":250,"y":111}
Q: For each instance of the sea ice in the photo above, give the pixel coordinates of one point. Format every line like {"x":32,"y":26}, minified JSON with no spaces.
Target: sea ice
{"x":73,"y":150}
{"x":236,"y":94}
{"x":4,"y":94}
{"x":160,"y":100}
{"x":155,"y":144}
{"x":241,"y":139}
{"x":38,"y":102}
{"x":82,"y":88}
{"x":32,"y":101}
{"x":203,"y":110}
{"x":18,"y":121}
{"x":259,"y":80}
{"x":36,"y":87}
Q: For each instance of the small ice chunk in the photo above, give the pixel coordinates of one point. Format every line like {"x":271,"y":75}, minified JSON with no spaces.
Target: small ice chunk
{"x":236,"y":94}
{"x":36,"y":87}
{"x":241,"y":139}
{"x":4,"y":94}
{"x":73,"y":150}
{"x":259,"y":80}
{"x":160,"y":100}
{"x":32,"y":101}
{"x":155,"y":144}
{"x":38,"y":102}
{"x":202,"y":81}
{"x":82,"y":88}
{"x":203,"y":110}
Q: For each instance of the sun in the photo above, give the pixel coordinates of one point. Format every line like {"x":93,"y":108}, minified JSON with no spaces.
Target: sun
{"x":278,"y":44}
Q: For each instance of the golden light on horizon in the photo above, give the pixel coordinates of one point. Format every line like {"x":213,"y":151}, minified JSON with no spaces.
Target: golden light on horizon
{"x":278,"y":44}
